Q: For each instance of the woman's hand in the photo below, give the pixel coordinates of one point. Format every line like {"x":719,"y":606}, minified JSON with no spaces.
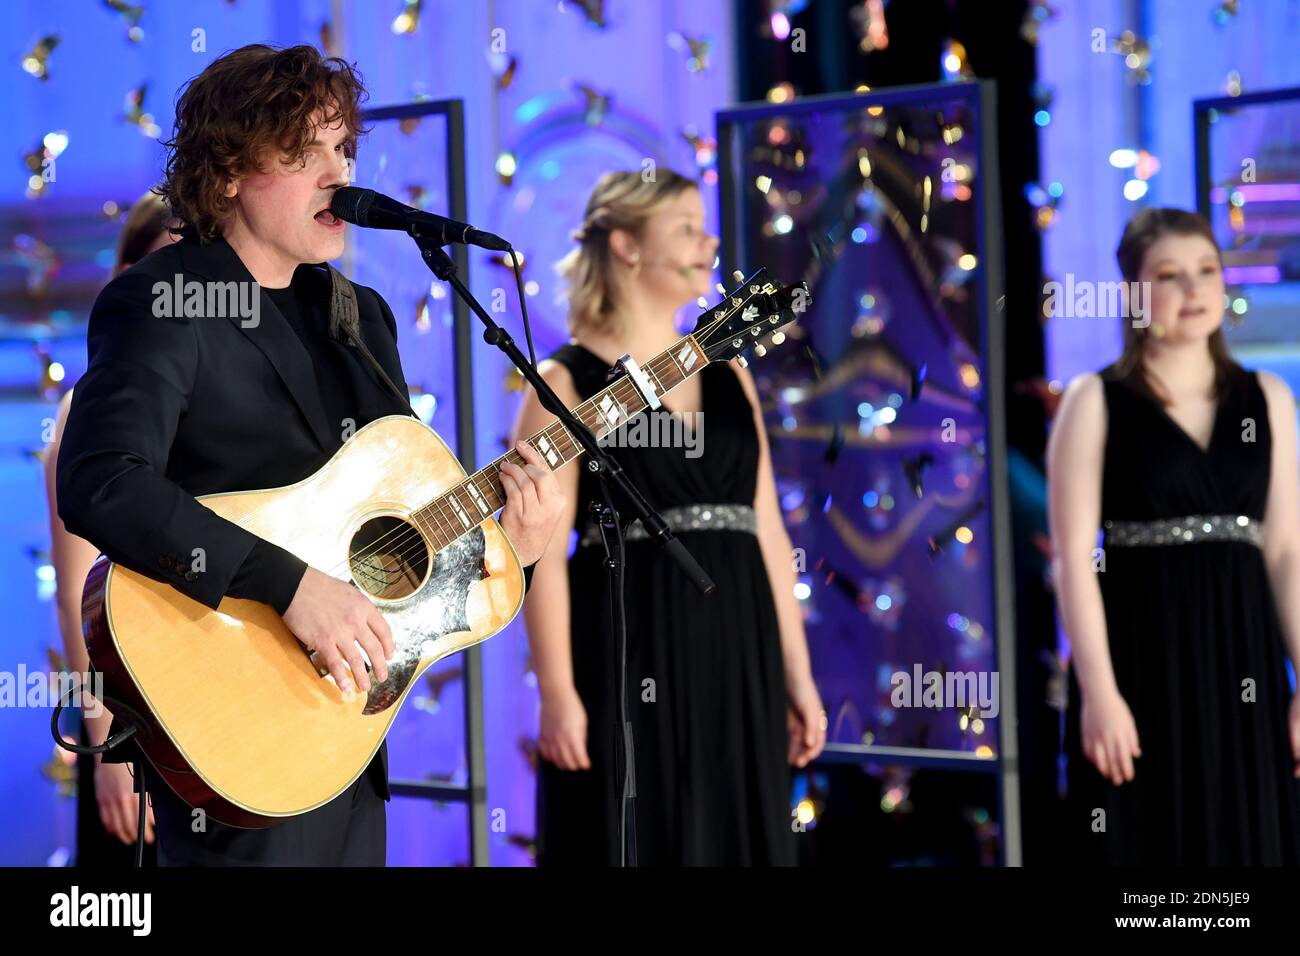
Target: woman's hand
{"x":1110,"y":737}
{"x":119,"y":804}
{"x":533,"y":503}
{"x":805,"y":720}
{"x":562,"y":738}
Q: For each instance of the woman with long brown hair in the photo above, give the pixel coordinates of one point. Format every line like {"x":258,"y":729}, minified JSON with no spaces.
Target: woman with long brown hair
{"x":1183,"y":734}
{"x":722,"y":698}
{"x":107,"y":804}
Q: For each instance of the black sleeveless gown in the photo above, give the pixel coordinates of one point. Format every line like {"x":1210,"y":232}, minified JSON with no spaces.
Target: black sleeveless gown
{"x":1189,"y":624}
{"x":713,"y":783}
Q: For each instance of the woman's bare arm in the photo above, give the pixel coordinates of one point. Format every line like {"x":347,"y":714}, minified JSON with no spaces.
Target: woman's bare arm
{"x":546,"y":610}
{"x":71,"y":557}
{"x":777,"y":548}
{"x":1282,"y":512}
{"x":1075,"y":457}
{"x":806,"y":720}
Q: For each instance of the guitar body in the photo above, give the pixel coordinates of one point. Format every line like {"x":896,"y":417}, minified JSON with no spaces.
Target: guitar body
{"x":232,"y":712}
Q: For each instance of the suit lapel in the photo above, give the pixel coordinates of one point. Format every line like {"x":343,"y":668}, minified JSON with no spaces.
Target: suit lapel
{"x":272,"y":334}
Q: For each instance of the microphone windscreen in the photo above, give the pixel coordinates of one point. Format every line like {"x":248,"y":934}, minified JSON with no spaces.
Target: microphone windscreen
{"x":352,"y":204}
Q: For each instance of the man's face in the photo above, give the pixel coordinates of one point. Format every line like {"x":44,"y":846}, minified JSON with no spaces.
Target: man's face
{"x":284,"y":209}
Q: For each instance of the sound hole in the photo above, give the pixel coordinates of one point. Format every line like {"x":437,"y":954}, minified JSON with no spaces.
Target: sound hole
{"x":388,"y":557}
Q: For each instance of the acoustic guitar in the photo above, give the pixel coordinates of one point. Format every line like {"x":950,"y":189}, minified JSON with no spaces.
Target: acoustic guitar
{"x":233,"y":711}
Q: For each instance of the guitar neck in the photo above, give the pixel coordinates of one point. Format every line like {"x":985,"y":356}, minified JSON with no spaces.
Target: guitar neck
{"x":464,"y":506}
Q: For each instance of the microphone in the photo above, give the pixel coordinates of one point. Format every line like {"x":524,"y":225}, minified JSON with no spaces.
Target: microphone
{"x":365,"y":207}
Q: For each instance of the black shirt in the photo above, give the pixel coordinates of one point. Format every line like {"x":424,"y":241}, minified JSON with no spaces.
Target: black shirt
{"x":329,"y":363}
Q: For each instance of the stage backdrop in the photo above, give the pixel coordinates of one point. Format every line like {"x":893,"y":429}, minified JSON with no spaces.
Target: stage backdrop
{"x":885,"y":422}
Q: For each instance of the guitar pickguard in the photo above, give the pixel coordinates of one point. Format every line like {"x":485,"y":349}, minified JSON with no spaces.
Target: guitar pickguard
{"x":437,"y":609}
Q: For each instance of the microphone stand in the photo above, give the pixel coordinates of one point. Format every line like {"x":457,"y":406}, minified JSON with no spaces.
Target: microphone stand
{"x":611,"y":477}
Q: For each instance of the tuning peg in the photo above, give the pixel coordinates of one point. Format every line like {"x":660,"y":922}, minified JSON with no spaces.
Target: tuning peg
{"x":742,"y":361}
{"x":738,"y":276}
{"x":702,"y":302}
{"x":722,"y":291}
{"x":778,"y":338}
{"x":760,"y":350}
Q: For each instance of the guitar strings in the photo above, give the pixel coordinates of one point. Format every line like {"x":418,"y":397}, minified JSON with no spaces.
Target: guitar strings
{"x":412,"y":542}
{"x":623,"y":390}
{"x":445,"y":523}
{"x":446,"y":517}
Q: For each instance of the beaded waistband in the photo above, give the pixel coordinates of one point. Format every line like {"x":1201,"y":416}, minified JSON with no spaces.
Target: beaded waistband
{"x":1185,"y":530}
{"x":724,"y":517}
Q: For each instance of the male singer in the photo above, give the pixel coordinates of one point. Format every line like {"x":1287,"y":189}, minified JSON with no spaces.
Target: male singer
{"x":175,"y":405}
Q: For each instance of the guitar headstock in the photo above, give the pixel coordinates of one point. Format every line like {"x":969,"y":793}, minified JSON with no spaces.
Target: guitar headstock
{"x":757,"y":307}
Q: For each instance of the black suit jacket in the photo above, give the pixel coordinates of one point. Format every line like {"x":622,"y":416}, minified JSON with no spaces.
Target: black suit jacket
{"x":172,"y":408}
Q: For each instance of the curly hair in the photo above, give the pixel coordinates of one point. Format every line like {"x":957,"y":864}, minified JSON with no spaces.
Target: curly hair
{"x":254,"y":100}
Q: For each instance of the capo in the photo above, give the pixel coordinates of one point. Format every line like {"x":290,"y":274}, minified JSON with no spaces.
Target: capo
{"x":640,"y":380}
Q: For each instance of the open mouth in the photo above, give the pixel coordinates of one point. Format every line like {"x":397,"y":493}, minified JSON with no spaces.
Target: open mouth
{"x":327,"y":218}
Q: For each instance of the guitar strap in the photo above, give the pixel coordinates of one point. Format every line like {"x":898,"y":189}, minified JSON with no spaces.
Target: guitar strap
{"x":345,"y":325}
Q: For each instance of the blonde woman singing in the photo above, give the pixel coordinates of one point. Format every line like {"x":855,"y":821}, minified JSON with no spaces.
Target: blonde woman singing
{"x":720,"y":687}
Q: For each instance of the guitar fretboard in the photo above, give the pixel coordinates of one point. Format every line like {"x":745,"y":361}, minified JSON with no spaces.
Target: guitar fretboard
{"x":466,"y":505}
